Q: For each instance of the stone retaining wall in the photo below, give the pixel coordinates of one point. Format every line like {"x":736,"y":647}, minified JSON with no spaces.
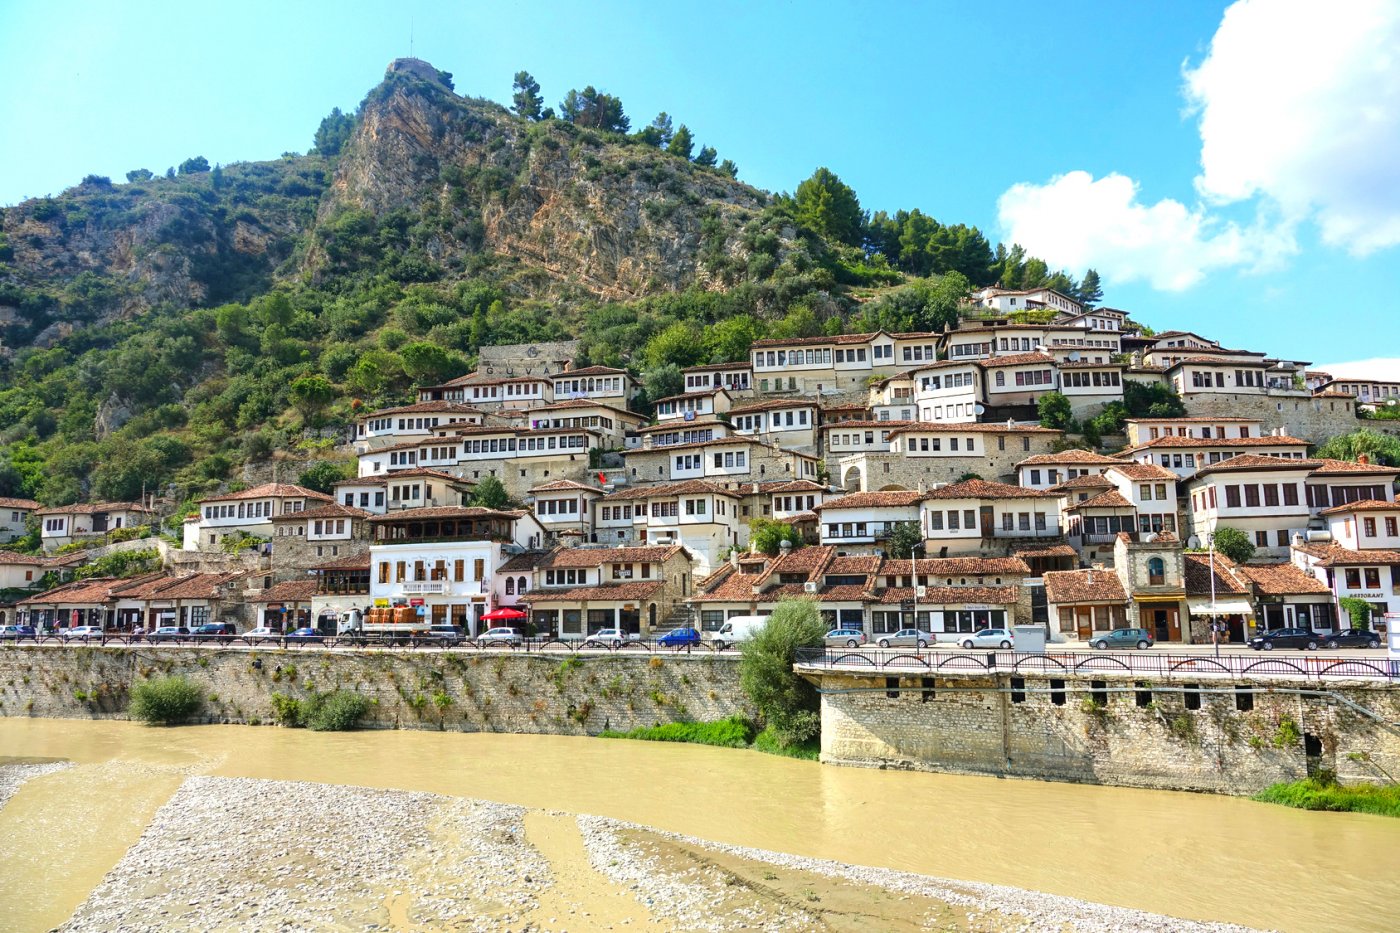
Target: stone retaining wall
{"x":463,"y":691}
{"x":975,"y":724}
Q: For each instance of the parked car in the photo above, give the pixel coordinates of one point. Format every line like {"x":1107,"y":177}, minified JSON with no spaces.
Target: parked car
{"x":82,"y":632}
{"x":906,"y":638}
{"x":168,"y":633}
{"x":501,"y":635}
{"x":845,"y":637}
{"x":17,"y":633}
{"x":988,"y":638}
{"x":607,"y":638}
{"x":1286,"y":638}
{"x":737,"y":629}
{"x":305,"y":635}
{"x":221,"y":632}
{"x":1121,"y":638}
{"x":679,"y":638}
{"x":256,"y":636}
{"x":449,"y":636}
{"x":1353,"y":638}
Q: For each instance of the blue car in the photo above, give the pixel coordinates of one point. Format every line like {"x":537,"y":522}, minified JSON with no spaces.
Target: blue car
{"x":17,"y":632}
{"x":679,"y":638}
{"x":304,"y":635}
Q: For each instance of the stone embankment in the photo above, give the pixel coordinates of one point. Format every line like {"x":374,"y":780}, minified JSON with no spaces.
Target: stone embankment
{"x":480,"y":691}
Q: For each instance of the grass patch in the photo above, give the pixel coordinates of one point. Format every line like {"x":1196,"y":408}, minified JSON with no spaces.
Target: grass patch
{"x":768,"y":742}
{"x":1323,"y":794}
{"x":734,"y":732}
{"x":165,"y":701}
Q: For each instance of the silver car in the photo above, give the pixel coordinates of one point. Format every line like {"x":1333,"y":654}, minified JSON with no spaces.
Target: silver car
{"x":502,"y":636}
{"x":845,"y":637}
{"x":988,"y":638}
{"x":906,"y":638}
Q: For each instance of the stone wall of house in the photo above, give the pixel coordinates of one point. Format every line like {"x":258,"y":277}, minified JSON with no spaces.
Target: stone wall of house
{"x":1139,"y":736}
{"x":294,"y":555}
{"x":876,"y":470}
{"x":466,"y":691}
{"x":521,"y":474}
{"x":766,"y":464}
{"x":1309,"y":419}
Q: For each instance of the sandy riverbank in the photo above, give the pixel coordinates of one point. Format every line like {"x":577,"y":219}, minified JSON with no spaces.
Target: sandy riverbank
{"x":252,"y":854}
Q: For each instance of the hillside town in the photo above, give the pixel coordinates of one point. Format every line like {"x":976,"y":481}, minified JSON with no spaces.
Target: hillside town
{"x":900,"y":480}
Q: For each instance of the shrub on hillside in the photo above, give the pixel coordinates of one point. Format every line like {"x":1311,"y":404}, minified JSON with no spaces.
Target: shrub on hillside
{"x":165,"y":700}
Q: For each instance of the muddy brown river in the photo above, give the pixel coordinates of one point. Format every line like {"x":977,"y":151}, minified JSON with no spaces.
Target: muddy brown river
{"x":1198,"y":856}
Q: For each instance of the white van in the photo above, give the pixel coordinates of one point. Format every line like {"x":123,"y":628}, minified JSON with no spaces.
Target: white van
{"x":737,"y":629}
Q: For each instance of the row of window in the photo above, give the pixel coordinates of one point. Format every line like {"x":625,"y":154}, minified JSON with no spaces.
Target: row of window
{"x":682,"y":437}
{"x":609,"y":385}
{"x":946,"y":381}
{"x":257,"y":509}
{"x":556,"y":507}
{"x":437,"y":571}
{"x":1076,"y":379}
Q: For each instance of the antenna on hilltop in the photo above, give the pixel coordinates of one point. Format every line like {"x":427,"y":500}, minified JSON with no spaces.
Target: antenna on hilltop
{"x":410,"y":36}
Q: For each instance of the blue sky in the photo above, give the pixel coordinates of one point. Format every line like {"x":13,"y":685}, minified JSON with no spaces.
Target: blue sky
{"x":1149,"y":140}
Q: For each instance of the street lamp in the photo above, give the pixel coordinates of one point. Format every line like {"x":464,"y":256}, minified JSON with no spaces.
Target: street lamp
{"x":1214,"y":622}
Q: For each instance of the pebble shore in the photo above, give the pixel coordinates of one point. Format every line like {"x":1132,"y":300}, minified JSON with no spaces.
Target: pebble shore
{"x":246,"y":854}
{"x":13,"y":775}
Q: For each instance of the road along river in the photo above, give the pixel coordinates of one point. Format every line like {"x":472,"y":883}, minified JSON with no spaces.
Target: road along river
{"x":1196,"y":856}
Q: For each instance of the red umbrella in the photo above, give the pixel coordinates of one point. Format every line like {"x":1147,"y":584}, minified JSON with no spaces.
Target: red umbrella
{"x":502,"y":614}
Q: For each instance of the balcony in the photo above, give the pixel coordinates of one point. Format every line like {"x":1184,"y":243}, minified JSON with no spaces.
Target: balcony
{"x":425,"y":587}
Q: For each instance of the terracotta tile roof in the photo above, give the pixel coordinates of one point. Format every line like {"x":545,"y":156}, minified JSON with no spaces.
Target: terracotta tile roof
{"x":1016,"y":359}
{"x":1228,"y":358}
{"x":694,"y":393}
{"x":957,"y":566}
{"x":1082,"y":365}
{"x":415,"y":473}
{"x":604,"y":591}
{"x":1197,"y":568}
{"x":1334,"y":555}
{"x":1245,"y":463}
{"x":584,"y":403}
{"x":1332,"y":467}
{"x":1066,"y":587}
{"x":93,"y":591}
{"x":771,"y":404}
{"x":481,"y":379}
{"x":841,"y":339}
{"x":949,"y":595}
{"x":7,"y":503}
{"x":941,"y":364}
{"x":1333,"y":393}
{"x":1112,"y":499}
{"x":932,"y":427}
{"x":329,"y":510}
{"x":590,"y":371}
{"x":1283,"y":580}
{"x":197,"y":586}
{"x":290,"y":591}
{"x":1140,"y":471}
{"x":690,"y":487}
{"x":1054,"y":550}
{"x":856,"y":407}
{"x":1175,"y":441}
{"x":433,"y":407}
{"x":351,"y":562}
{"x":10,"y":558}
{"x":716,"y":442}
{"x":711,"y":367}
{"x":560,"y":485}
{"x":1075,"y":456}
{"x":897,"y":498}
{"x":93,"y":507}
{"x":1096,"y":481}
{"x":983,"y":489}
{"x":1365,"y":505}
{"x":854,"y":425}
{"x":270,"y":490}
{"x":854,"y":565}
{"x":594,"y":556}
{"x":842,"y":593}
{"x":809,"y":561}
{"x":446,"y":511}
{"x":522,"y":563}
{"x":142,"y":587}
{"x":728,"y":585}
{"x":786,"y":485}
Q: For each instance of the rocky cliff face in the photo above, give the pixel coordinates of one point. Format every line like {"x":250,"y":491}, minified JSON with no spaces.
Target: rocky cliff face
{"x":611,"y":220}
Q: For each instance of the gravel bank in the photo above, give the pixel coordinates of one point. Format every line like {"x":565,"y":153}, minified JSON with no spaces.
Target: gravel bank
{"x":238,"y":853}
{"x":993,"y":907}
{"x":13,"y":775}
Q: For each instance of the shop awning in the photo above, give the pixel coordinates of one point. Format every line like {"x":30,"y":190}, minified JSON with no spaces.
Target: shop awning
{"x":1229,"y":606}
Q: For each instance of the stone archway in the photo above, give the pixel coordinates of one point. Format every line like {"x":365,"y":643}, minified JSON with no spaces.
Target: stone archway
{"x":853,"y":478}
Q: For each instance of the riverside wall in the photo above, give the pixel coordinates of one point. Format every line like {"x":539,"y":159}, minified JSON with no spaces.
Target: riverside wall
{"x":1146,"y":736}
{"x":470,"y":692}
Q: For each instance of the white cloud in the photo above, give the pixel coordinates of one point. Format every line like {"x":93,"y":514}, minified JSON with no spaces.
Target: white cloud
{"x":1299,"y":115}
{"x":1300,"y":103}
{"x":1077,"y":221}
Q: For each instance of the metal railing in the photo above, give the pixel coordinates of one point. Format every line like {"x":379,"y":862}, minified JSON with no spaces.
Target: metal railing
{"x":1319,"y":666}
{"x":543,"y":644}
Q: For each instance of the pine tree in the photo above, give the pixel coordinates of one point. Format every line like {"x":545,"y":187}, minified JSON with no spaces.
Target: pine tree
{"x":526,"y":100}
{"x":659,"y":133}
{"x":707,"y":156}
{"x":682,"y":143}
{"x":1090,"y":291}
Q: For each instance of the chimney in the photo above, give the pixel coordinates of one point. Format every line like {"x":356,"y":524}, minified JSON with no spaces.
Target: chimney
{"x":1090,"y":576}
{"x":923,"y":486}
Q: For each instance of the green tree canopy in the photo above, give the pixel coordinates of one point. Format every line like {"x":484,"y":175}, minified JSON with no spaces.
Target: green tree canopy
{"x":767,"y":536}
{"x":324,"y":474}
{"x":333,"y":132}
{"x":1234,"y":544}
{"x":1090,"y":291}
{"x":429,"y":364}
{"x":905,"y":538}
{"x":311,"y":395}
{"x":829,"y":206}
{"x":490,"y":494}
{"x":707,"y":156}
{"x":1054,"y":410}
{"x":788,"y":704}
{"x":682,"y":142}
{"x":194,"y":165}
{"x":594,"y":109}
{"x":1379,"y":448}
{"x":139,"y":174}
{"x":526,"y":101}
{"x":659,"y":133}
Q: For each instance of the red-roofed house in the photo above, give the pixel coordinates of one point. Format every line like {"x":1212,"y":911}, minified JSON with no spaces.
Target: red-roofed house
{"x":248,"y":511}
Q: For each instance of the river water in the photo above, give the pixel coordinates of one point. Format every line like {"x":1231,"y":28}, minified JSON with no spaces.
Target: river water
{"x":1191,"y":855}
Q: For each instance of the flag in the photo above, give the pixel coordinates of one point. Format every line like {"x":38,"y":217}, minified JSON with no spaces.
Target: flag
{"x":602,"y":480}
